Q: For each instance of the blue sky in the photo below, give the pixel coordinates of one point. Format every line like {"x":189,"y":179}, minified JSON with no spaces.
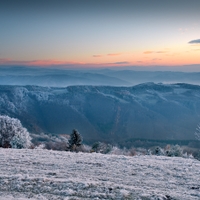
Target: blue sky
{"x":100,"y":33}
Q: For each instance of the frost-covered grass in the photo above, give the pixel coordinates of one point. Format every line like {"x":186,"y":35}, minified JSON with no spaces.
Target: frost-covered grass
{"x":45,"y":174}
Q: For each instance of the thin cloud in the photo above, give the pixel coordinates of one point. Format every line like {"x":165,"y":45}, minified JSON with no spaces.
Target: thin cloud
{"x":58,"y":63}
{"x":4,"y":60}
{"x":194,"y":41}
{"x":148,"y":52}
{"x":161,"y":51}
{"x":49,"y":62}
{"x":110,"y":54}
{"x":97,"y":56}
{"x":121,"y":63}
{"x":114,"y":54}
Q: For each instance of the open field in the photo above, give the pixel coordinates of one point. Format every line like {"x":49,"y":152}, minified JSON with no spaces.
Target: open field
{"x":45,"y":174}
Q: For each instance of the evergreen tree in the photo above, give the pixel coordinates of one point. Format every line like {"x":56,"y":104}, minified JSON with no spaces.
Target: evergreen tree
{"x":75,"y":140}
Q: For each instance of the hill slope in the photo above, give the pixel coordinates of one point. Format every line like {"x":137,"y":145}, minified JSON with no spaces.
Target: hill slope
{"x":150,"y":111}
{"x":43,"y":174}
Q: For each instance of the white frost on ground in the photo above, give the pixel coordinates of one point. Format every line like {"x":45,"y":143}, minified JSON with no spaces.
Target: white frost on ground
{"x":42,"y":174}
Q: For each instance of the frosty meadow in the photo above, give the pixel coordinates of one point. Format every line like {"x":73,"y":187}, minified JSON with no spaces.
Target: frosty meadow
{"x":56,"y":175}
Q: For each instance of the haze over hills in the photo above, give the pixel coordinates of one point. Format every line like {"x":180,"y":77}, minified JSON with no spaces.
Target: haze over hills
{"x":106,"y":113}
{"x":112,"y":77}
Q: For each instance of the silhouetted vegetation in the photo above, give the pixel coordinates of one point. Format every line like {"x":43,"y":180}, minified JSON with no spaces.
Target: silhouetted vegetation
{"x":75,"y":141}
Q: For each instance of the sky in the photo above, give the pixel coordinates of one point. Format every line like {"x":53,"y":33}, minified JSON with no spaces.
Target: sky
{"x":99,"y":33}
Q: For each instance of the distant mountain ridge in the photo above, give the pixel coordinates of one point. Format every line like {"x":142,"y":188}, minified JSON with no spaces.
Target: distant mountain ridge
{"x":106,"y":113}
{"x":112,"y":77}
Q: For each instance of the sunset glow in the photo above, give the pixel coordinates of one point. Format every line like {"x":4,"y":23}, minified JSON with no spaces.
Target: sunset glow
{"x":100,"y":34}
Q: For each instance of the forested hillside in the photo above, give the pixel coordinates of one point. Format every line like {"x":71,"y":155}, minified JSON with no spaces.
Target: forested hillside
{"x":148,"y":111}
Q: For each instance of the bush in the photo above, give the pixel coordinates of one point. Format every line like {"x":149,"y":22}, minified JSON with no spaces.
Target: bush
{"x":13,"y":134}
{"x":174,"y":150}
{"x":50,"y":141}
{"x":170,"y":150}
{"x":100,"y":147}
{"x":157,"y":151}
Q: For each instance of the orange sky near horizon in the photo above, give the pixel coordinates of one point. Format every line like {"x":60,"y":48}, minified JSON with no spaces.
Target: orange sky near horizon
{"x":100,"y":33}
{"x":186,"y":55}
